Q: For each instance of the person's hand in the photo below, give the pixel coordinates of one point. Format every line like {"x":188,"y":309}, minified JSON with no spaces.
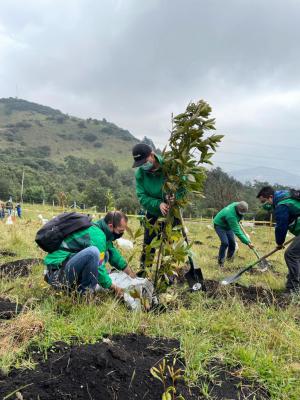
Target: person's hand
{"x":280,"y":246}
{"x":164,"y":208}
{"x":251,"y":246}
{"x":129,"y":272}
{"x":119,"y":292}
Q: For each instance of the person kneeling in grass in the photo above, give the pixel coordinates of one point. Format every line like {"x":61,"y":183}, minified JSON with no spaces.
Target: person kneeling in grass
{"x":226,"y":224}
{"x":79,"y":263}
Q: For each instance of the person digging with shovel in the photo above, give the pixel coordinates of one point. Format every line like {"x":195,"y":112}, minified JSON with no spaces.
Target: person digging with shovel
{"x":286,"y":206}
{"x":227,"y":225}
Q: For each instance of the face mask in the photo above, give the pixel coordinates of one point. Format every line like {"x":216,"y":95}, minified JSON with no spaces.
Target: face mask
{"x":147,"y":166}
{"x":117,"y":235}
{"x":267,"y":206}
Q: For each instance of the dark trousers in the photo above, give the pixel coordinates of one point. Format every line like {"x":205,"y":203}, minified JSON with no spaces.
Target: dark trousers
{"x":227,"y":243}
{"x":148,"y":252}
{"x":292,"y":259}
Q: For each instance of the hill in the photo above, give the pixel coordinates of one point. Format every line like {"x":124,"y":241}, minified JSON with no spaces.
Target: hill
{"x":29,"y":131}
{"x":265,"y":174}
{"x":64,"y":157}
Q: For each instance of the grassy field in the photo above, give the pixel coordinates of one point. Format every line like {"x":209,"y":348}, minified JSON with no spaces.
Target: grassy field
{"x":263,"y":340}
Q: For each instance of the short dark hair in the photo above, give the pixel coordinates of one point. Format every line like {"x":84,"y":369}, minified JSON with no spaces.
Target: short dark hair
{"x":114,"y":218}
{"x":266,"y":192}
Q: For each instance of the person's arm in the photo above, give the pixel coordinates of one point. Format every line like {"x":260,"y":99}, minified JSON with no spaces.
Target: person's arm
{"x":282,"y":223}
{"x":151,"y":204}
{"x":235,"y":227}
{"x":98,"y":239}
{"x":115,"y":258}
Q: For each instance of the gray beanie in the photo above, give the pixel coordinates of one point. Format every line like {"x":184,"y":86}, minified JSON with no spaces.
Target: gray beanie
{"x":242,"y":207}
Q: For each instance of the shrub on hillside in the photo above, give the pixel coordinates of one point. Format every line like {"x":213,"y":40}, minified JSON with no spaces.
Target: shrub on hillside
{"x":90,"y":137}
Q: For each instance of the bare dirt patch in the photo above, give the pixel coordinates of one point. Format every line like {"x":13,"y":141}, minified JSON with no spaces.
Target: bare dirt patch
{"x":248,"y":294}
{"x":118,"y":368}
{"x":8,"y":309}
{"x":18,"y":268}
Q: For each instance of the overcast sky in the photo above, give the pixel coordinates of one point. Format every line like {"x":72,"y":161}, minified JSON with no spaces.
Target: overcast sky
{"x":134,"y":62}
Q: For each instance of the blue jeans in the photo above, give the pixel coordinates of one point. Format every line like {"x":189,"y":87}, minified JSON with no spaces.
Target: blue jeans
{"x":227,"y":242}
{"x":80,"y":272}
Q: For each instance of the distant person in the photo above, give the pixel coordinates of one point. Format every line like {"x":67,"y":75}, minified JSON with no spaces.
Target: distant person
{"x":79,"y":263}
{"x":286,"y":205}
{"x":226,"y":224}
{"x":9,"y":207}
{"x":2,"y":210}
{"x":19,"y":210}
{"x":150,"y":179}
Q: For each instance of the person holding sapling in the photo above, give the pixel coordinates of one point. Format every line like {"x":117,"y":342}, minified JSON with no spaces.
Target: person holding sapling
{"x":286,"y":205}
{"x":163,"y":185}
{"x":226,"y":224}
{"x":150,"y":180}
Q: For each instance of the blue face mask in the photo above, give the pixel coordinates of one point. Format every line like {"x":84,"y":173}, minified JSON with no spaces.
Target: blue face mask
{"x":147,"y":166}
{"x":267,"y":206}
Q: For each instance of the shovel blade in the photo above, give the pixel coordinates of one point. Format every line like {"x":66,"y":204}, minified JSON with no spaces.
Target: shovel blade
{"x":264,"y":265}
{"x":195,"y":280}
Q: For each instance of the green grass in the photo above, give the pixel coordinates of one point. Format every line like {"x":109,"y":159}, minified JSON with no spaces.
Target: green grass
{"x":264,"y":341}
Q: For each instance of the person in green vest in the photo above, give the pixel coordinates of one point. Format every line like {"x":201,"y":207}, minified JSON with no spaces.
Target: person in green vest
{"x":286,"y":206}
{"x":227,"y":225}
{"x":149,"y":180}
{"x":80,"y":262}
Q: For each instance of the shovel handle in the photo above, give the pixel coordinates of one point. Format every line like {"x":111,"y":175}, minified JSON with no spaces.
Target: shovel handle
{"x":273,"y":251}
{"x":235,"y":277}
{"x":186,"y":239}
{"x":256,"y":252}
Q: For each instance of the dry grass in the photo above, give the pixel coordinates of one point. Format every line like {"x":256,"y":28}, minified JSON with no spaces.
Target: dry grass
{"x":18,"y":332}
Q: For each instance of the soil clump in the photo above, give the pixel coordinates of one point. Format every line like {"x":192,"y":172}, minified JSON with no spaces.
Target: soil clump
{"x":249,"y":295}
{"x":117,"y":368}
{"x":8,"y":309}
{"x":18,"y":268}
{"x":7,"y":253}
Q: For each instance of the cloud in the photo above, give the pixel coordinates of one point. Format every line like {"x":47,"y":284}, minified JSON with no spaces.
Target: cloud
{"x":136,"y":62}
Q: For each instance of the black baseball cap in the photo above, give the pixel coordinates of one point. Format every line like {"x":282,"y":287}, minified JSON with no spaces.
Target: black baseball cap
{"x":140,"y":153}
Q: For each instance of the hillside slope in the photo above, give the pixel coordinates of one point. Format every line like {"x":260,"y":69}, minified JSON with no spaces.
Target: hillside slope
{"x":29,"y":130}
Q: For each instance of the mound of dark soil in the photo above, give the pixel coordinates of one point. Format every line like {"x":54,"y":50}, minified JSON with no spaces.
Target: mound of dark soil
{"x":116,"y":369}
{"x":7,"y":253}
{"x":228,"y":385}
{"x":250,"y":294}
{"x":8,"y":310}
{"x":18,"y":268}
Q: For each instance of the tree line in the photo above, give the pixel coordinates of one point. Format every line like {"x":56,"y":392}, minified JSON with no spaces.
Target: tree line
{"x":89,"y":183}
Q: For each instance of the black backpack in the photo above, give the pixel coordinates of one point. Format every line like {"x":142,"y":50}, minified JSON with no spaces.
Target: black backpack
{"x":51,"y":235}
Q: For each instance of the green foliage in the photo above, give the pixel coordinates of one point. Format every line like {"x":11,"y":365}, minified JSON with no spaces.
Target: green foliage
{"x":164,"y":372}
{"x":191,"y":145}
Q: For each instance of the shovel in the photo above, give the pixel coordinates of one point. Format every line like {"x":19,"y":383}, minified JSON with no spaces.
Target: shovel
{"x":234,"y":278}
{"x":194,"y":276}
{"x":264,"y":264}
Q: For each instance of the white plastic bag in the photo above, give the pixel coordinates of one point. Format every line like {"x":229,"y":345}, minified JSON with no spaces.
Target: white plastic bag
{"x":138,"y":292}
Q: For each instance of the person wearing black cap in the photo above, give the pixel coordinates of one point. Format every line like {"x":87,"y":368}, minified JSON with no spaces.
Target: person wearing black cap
{"x":149,"y":189}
